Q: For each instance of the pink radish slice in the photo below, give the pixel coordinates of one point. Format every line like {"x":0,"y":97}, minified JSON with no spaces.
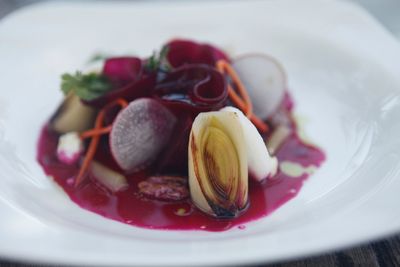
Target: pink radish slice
{"x":140,"y":132}
{"x":265,"y":80}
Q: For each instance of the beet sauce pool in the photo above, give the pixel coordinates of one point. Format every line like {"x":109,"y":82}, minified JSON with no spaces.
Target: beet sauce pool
{"x":131,"y":208}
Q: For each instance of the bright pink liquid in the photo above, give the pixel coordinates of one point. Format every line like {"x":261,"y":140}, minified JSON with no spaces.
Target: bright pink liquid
{"x":131,"y":208}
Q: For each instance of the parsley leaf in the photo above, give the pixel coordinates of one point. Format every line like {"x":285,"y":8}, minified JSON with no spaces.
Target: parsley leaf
{"x":158,"y":61}
{"x":86,"y":86}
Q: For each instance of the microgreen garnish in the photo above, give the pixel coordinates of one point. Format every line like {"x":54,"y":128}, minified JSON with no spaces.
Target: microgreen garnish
{"x":158,"y":61}
{"x":86,"y":86}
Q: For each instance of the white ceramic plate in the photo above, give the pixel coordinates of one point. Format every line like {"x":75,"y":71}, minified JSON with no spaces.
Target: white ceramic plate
{"x":342,"y":68}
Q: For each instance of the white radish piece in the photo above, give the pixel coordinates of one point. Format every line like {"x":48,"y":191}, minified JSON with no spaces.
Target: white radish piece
{"x":261,"y":165}
{"x":140,"y":132}
{"x":265,"y":81}
{"x":112,"y":180}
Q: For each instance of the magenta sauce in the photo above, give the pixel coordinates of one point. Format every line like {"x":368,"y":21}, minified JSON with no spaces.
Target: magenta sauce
{"x":132,"y":208}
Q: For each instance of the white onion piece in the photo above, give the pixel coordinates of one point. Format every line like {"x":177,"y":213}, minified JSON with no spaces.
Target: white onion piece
{"x":261,"y":165}
{"x":140,"y":132}
{"x":113,"y":180}
{"x":265,"y":81}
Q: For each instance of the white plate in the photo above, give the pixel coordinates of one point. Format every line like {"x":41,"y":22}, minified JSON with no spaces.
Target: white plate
{"x":342,"y":69}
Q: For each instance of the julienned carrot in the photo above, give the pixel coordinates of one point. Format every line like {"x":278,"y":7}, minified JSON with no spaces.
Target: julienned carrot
{"x":96,"y":132}
{"x":243,"y":102}
{"x":92,"y":132}
{"x":223,"y":67}
{"x":260,"y":125}
{"x":91,"y":150}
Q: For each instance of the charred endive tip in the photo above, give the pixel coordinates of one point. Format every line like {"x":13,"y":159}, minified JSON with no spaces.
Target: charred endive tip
{"x":218,"y":174}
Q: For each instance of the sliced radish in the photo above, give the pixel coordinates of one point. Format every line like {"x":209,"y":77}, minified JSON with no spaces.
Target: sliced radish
{"x":261,"y":165}
{"x":265,"y":80}
{"x":113,"y":180}
{"x":140,"y":132}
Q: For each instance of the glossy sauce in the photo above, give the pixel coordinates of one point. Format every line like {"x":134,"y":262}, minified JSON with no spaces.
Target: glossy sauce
{"x":132,"y":208}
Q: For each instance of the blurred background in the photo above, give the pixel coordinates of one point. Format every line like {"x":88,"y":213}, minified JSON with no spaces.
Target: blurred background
{"x":386,"y":11}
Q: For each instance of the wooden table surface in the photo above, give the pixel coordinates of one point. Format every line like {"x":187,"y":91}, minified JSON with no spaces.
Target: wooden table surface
{"x":380,"y":253}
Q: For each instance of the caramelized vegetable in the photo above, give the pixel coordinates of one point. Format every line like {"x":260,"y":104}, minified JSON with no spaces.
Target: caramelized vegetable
{"x":218,"y":174}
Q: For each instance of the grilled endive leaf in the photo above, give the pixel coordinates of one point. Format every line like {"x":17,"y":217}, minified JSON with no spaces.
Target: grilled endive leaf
{"x":261,"y":164}
{"x":218,"y":174}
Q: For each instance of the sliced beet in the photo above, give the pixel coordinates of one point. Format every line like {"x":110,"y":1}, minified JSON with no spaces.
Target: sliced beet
{"x":128,"y":78}
{"x":142,"y":87}
{"x":187,"y":91}
{"x":181,"y":52}
{"x":131,"y":80}
{"x":139,"y":133}
{"x":174,"y":159}
{"x":193,"y":88}
{"x":122,"y":70}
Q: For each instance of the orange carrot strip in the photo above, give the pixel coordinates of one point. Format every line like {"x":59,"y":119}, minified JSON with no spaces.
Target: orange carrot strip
{"x":236,"y":99}
{"x":121,"y":102}
{"x":96,"y":138}
{"x":91,"y":150}
{"x":243,"y":104}
{"x":224,"y":66}
{"x":260,"y":125}
{"x":93,"y":132}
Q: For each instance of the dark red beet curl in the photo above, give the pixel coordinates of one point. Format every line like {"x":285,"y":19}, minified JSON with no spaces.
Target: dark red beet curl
{"x":193,"y":88}
{"x":187,"y":91}
{"x":182,"y":52}
{"x":122,"y":70}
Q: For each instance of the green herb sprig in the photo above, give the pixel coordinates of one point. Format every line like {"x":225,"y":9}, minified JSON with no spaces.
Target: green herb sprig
{"x":158,"y":61}
{"x":86,"y":86}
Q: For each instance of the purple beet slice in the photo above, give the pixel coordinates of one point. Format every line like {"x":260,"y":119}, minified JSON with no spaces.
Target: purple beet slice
{"x":193,"y":88}
{"x":175,"y":158}
{"x":142,"y":87}
{"x":139,"y":133}
{"x":128,"y":78}
{"x":181,"y":52}
{"x":122,"y":70}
